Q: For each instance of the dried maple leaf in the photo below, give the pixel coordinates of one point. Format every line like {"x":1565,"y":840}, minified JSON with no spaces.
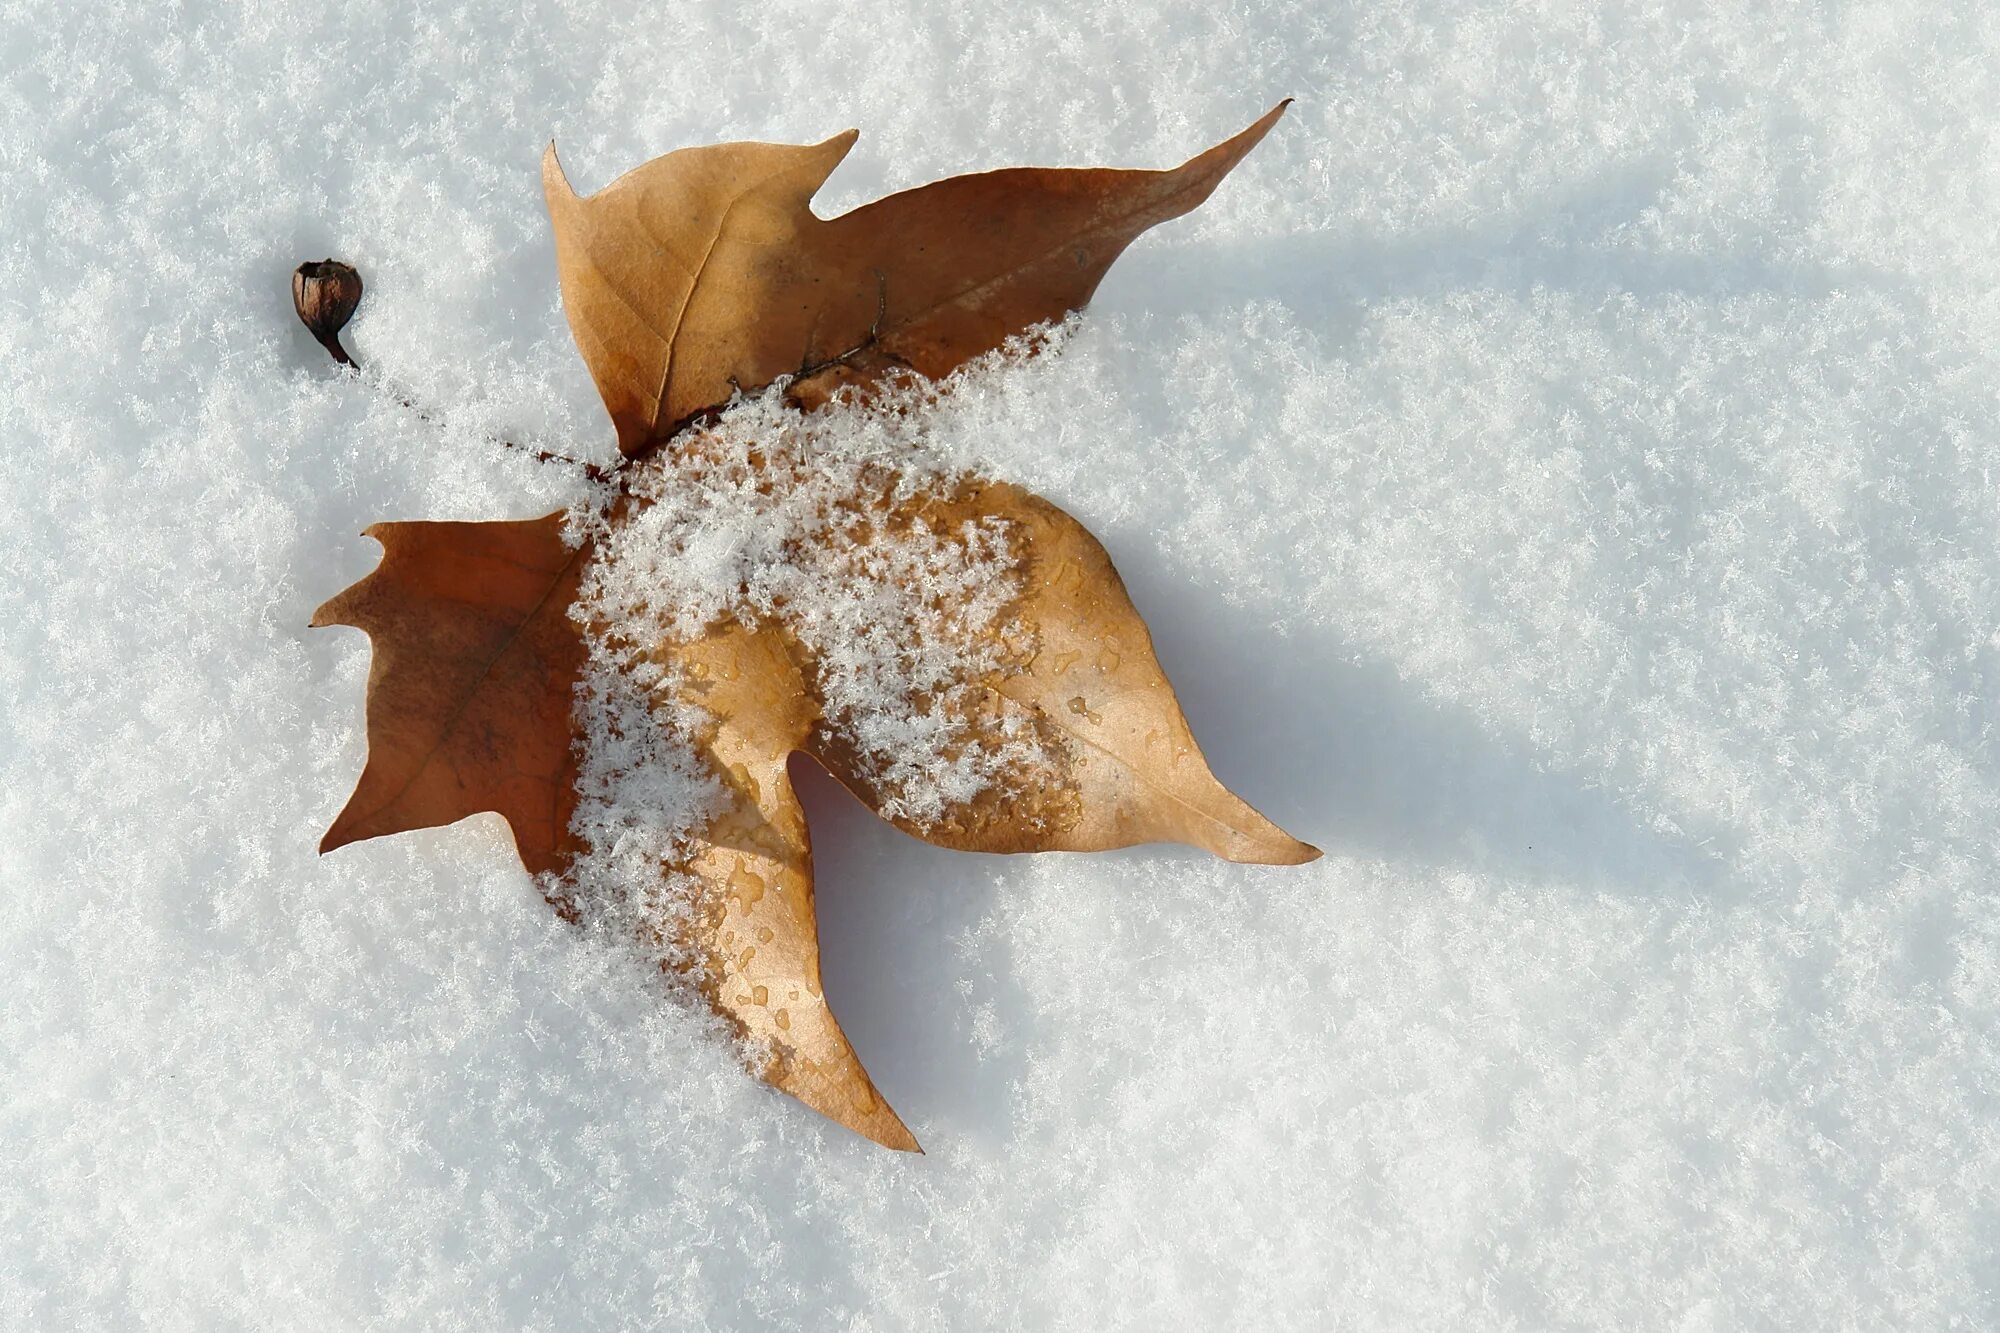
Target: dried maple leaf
{"x":705,"y":271}
{"x":693,"y":278}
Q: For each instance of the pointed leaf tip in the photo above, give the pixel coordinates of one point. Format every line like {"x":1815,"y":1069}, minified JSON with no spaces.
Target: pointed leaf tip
{"x":329,"y":612}
{"x":1295,"y":853}
{"x":554,"y":178}
{"x":888,"y":1130}
{"x":1235,"y":148}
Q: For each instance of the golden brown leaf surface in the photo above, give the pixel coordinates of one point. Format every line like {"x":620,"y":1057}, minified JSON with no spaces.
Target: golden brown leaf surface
{"x":754,"y":929}
{"x":696,"y":274}
{"x":706,"y":270}
{"x":1080,"y":671}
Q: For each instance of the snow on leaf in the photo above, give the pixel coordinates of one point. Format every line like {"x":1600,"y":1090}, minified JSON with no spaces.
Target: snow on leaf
{"x":1118,"y":764}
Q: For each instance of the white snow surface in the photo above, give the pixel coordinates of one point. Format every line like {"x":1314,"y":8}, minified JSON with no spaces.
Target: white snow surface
{"x":1558,"y":469}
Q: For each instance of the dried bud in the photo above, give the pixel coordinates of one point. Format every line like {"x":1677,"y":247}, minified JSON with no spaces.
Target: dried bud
{"x":325,"y":293}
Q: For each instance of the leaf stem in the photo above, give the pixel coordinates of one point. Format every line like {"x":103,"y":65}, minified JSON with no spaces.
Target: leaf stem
{"x":591,"y":470}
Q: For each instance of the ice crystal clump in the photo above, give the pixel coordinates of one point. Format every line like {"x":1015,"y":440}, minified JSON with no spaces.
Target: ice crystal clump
{"x":815,"y":526}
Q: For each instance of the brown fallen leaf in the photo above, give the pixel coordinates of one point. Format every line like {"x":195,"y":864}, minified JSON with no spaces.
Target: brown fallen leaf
{"x":705,"y":271}
{"x":699,"y":275}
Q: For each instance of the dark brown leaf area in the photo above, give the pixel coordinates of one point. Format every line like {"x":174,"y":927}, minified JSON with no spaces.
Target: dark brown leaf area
{"x":475,"y":662}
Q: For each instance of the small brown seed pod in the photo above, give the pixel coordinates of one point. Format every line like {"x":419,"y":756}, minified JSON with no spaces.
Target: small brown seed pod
{"x":325,"y":292}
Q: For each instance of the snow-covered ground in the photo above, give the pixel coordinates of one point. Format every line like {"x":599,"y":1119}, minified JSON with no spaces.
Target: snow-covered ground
{"x":1558,"y":467}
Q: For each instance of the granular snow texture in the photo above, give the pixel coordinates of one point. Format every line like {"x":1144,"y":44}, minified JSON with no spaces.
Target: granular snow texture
{"x":1558,"y":467}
